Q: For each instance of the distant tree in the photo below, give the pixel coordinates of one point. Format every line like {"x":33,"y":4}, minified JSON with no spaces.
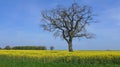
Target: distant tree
{"x":7,"y":47}
{"x":51,"y":47}
{"x":68,"y":22}
{"x":0,"y":48}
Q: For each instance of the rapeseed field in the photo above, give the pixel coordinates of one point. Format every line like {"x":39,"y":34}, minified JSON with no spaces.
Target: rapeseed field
{"x":62,"y":56}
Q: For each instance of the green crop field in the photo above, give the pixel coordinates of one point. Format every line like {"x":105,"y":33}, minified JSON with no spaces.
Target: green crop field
{"x":57,"y":58}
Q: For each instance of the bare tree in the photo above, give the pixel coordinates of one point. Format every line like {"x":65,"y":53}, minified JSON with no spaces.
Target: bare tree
{"x":68,"y":22}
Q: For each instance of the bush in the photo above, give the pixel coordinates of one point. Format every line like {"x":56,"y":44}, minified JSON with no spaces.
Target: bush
{"x":51,"y":47}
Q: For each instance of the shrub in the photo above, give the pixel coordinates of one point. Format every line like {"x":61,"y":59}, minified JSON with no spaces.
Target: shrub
{"x":51,"y":47}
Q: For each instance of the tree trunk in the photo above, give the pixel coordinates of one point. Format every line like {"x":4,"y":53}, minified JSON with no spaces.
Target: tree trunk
{"x":70,"y":46}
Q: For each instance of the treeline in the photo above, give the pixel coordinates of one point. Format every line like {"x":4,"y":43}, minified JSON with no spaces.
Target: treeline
{"x":29,"y":48}
{"x":25,"y":48}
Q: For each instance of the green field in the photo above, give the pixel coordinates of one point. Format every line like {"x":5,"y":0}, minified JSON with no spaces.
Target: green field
{"x":37,"y":58}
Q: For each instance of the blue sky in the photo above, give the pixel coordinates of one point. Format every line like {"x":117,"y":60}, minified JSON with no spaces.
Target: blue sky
{"x":20,"y":20}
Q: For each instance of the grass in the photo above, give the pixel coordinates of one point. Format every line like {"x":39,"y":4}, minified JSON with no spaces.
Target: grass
{"x":7,"y":60}
{"x":27,"y":62}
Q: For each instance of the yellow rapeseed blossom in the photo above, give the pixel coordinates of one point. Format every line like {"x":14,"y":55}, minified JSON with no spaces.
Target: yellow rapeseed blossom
{"x":57,"y":54}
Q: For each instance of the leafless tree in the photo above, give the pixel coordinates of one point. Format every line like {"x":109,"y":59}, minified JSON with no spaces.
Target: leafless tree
{"x":68,"y":22}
